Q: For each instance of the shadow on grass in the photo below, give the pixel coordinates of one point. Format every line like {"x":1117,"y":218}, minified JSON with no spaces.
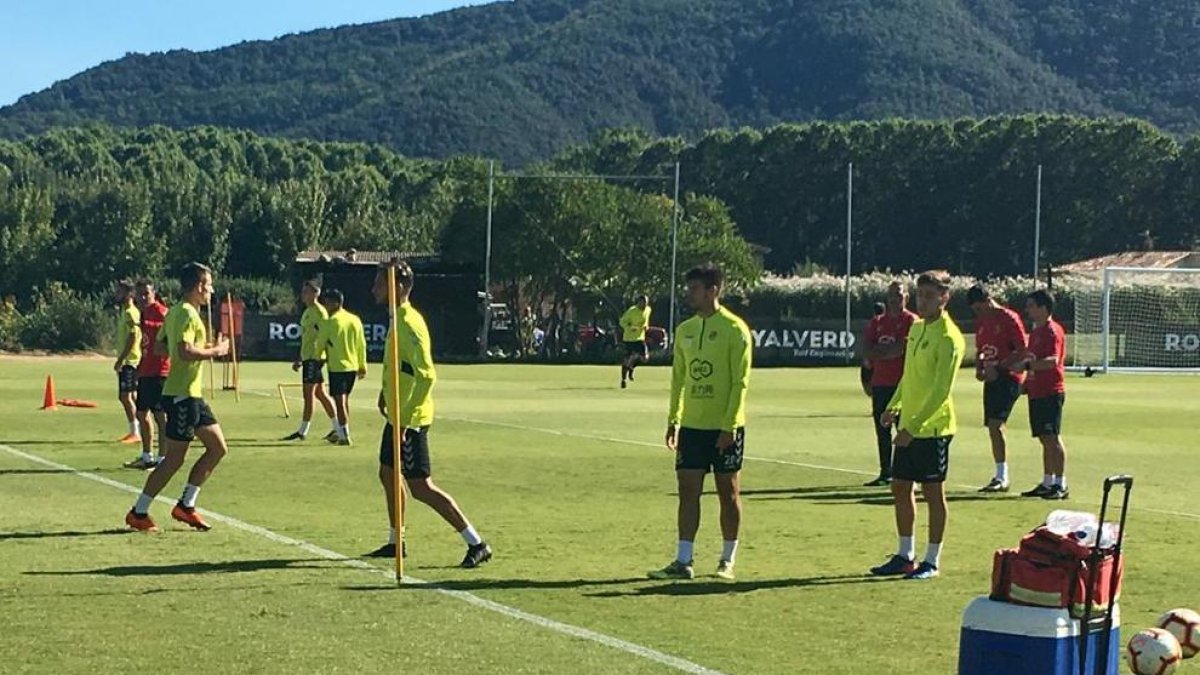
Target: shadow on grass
{"x":224,"y":567}
{"x":66,"y":443}
{"x":866,"y":496}
{"x":700,"y":587}
{"x":216,"y":589}
{"x":55,"y":535}
{"x":49,"y":472}
{"x":817,"y":489}
{"x":500,"y":584}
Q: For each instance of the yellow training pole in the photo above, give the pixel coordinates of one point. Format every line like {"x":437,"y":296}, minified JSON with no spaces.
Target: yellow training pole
{"x":237,"y":388}
{"x":212,"y":363}
{"x":393,"y":346}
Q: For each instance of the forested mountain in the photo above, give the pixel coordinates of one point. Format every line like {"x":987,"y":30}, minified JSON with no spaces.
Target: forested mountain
{"x":521,"y":80}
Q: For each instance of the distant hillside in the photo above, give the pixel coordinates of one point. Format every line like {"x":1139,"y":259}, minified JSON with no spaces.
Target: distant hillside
{"x":523,"y":79}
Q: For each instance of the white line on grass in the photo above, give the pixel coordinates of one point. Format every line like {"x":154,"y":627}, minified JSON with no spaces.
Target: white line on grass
{"x":512,"y":612}
{"x":766,"y":460}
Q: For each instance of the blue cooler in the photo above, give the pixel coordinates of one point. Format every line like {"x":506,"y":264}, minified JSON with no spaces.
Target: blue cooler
{"x":1003,"y":639}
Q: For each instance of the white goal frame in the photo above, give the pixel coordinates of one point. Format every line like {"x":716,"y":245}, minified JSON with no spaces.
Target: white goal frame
{"x":1113,"y":342}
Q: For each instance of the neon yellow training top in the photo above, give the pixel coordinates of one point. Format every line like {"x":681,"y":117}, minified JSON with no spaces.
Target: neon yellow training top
{"x":310,"y":326}
{"x":129,"y":324}
{"x":417,"y":374}
{"x":710,"y":372}
{"x":183,"y":324}
{"x":932,"y":358}
{"x":634,"y":323}
{"x":342,"y":338}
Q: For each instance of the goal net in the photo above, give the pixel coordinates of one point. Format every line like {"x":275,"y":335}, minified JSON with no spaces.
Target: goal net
{"x":1138,"y":319}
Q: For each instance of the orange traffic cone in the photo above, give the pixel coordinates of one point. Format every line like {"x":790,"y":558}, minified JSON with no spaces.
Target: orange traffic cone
{"x":49,"y":401}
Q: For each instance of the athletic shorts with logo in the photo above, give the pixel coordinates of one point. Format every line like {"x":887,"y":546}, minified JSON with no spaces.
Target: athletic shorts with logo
{"x":636,"y":348}
{"x":312,"y":371}
{"x":414,"y":452}
{"x":999,"y":397}
{"x":127,"y":380}
{"x":149,"y":393}
{"x":342,"y":384}
{"x":185,"y":415}
{"x":924,"y":460}
{"x":1045,"y":415}
{"x":697,"y":450}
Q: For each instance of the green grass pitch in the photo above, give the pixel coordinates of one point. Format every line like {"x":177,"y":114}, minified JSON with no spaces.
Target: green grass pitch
{"x":564,"y":474}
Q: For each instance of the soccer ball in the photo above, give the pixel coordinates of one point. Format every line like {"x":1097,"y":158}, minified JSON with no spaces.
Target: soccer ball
{"x":1153,"y":651}
{"x":1184,"y":624}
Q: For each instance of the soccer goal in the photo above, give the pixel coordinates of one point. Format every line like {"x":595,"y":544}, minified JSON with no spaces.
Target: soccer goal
{"x":1139,"y":320}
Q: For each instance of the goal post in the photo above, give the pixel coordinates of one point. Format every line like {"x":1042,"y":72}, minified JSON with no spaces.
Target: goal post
{"x":1139,"y":319}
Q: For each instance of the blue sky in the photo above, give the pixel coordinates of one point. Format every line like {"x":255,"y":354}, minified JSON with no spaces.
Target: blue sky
{"x":43,"y":41}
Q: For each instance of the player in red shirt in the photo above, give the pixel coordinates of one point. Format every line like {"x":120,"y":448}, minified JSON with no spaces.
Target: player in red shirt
{"x":1047,"y":393}
{"x":1000,"y":344}
{"x":883,"y":344}
{"x":151,"y":372}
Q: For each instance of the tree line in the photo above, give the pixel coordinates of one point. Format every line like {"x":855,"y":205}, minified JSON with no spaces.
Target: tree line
{"x":957,"y":193}
{"x":82,"y":206}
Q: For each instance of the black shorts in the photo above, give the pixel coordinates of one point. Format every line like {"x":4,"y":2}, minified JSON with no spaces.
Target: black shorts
{"x":127,"y":380}
{"x":697,"y":449}
{"x":149,"y":393}
{"x":414,"y":452}
{"x":341,"y":384}
{"x":312,"y":371}
{"x":925,"y":460}
{"x":635,"y":349}
{"x":999,"y":397}
{"x":1045,"y":415}
{"x":185,"y":415}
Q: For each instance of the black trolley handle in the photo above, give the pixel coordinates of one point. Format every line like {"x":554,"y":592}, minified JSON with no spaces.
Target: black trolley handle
{"x":1125,"y":481}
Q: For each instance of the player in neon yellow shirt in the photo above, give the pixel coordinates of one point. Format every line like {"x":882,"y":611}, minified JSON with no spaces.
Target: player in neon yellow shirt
{"x":129,"y":352}
{"x":185,"y":339}
{"x":417,"y":377}
{"x":922,"y":411}
{"x":312,"y":361}
{"x":634,"y":323}
{"x":706,"y":424}
{"x":345,"y":344}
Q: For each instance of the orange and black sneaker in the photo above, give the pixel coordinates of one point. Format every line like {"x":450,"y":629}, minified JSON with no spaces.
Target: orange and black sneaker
{"x":140,"y":521}
{"x":189,"y":517}
{"x":130,"y":439}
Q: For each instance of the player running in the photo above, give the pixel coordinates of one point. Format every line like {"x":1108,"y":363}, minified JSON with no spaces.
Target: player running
{"x":884,"y":342}
{"x":129,"y":344}
{"x":311,"y":363}
{"x":710,"y":376}
{"x":922,"y":411}
{"x":1000,"y":344}
{"x":344,"y":341}
{"x":1046,"y":389}
{"x":417,"y":377}
{"x":152,"y":371}
{"x":634,"y":323}
{"x":188,"y":416}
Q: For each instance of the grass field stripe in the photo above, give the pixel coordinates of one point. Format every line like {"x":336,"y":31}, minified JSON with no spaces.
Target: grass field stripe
{"x":765,"y":460}
{"x":785,"y":462}
{"x":634,"y":649}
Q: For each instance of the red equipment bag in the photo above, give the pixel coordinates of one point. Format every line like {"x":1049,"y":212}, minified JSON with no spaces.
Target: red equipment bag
{"x":1050,"y":570}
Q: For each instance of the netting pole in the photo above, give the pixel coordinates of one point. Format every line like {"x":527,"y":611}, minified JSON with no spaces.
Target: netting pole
{"x":849,"y":245}
{"x":1037,"y":227}
{"x":1105,"y":318}
{"x":487,"y":263}
{"x":674,"y":282}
